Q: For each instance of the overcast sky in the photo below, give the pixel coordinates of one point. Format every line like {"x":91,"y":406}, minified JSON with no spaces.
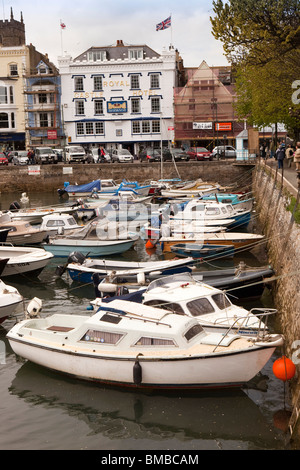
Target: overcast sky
{"x":103,"y":22}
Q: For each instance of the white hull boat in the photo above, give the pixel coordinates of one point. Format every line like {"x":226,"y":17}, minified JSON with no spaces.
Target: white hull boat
{"x":10,"y":298}
{"x":21,"y":232}
{"x":24,"y":260}
{"x":130,"y":345}
{"x":99,"y":237}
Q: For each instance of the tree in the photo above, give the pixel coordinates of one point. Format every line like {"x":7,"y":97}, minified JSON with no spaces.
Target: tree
{"x":261,"y":38}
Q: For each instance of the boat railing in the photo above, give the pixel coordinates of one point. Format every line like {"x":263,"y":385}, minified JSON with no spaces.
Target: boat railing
{"x":256,"y":333}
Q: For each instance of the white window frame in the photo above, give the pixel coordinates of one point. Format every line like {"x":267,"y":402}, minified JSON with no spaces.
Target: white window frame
{"x":78,"y":84}
{"x":154,"y":80}
{"x":135,"y":81}
{"x":135,"y":105}
{"x":135,"y":54}
{"x":98,"y":83}
{"x":155,"y":104}
{"x":98,"y":107}
{"x":79,"y":107}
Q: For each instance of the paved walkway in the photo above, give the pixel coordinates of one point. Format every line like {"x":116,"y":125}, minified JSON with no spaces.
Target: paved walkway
{"x":289,"y":174}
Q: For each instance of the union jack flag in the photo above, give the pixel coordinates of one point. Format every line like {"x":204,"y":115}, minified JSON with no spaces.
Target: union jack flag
{"x":164,"y":24}
{"x":62,"y":25}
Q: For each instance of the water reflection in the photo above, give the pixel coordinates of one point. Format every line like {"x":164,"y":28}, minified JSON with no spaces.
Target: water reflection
{"x":120,"y":415}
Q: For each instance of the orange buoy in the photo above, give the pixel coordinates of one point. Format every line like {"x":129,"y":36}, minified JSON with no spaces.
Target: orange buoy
{"x":284,"y":369}
{"x":149,"y":244}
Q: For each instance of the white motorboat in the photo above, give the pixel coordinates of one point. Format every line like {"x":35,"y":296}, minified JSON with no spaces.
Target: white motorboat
{"x":23,"y":260}
{"x":98,"y":237}
{"x":190,"y":190}
{"x":58,"y":223}
{"x":21,"y":232}
{"x":82,"y":269}
{"x":10,"y":298}
{"x":131,"y":345}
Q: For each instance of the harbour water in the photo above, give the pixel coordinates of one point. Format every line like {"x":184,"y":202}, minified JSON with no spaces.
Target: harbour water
{"x":42,"y":410}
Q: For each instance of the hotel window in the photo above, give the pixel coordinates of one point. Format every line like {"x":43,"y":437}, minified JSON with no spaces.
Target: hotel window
{"x":156,"y":126}
{"x":98,"y":104}
{"x":98,"y":84}
{"x":79,"y":107}
{"x":89,"y":128}
{"x":135,"y":82}
{"x":97,"y":55}
{"x":4,"y":123}
{"x":135,"y":105}
{"x":13,"y":69}
{"x":78,"y":84}
{"x":154,"y":80}
{"x":155,"y":105}
{"x":135,"y":53}
{"x":136,"y":127}
{"x":13,"y":124}
{"x":79,"y":128}
{"x":145,"y":127}
{"x":3,"y":95}
{"x":99,"y":128}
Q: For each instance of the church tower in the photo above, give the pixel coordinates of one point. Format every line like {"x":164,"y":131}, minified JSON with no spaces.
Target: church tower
{"x":12,"y":32}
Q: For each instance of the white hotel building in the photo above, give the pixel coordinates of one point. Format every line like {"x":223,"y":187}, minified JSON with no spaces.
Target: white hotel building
{"x":119,"y":96}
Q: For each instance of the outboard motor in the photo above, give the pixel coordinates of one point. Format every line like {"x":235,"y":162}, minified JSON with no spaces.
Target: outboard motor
{"x":76,"y":257}
{"x":15,"y":206}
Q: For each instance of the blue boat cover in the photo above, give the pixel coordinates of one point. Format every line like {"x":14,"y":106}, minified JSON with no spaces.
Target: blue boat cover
{"x":86,"y":188}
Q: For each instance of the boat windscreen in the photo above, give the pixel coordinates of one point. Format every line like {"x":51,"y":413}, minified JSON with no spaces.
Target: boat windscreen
{"x":166,"y":281}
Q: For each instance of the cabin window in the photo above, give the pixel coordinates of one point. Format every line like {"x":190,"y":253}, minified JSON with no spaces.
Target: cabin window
{"x":200,"y":307}
{"x":105,"y":337}
{"x":224,"y":210}
{"x":221,"y":300}
{"x":212,"y":210}
{"x":144,"y":341}
{"x":171,"y":306}
{"x":193,"y":331}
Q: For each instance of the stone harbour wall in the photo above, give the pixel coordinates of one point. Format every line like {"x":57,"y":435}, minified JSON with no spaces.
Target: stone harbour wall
{"x":273,"y":195}
{"x":52,"y":177}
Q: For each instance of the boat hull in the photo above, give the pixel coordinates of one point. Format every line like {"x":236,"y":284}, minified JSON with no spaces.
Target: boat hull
{"x":24,"y":263}
{"x":218,"y":239}
{"x":101,"y":248}
{"x":185,"y":372}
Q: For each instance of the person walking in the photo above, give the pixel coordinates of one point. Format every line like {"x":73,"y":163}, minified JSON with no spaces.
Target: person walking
{"x":297,"y":159}
{"x":280,"y":155}
{"x":289,"y":155}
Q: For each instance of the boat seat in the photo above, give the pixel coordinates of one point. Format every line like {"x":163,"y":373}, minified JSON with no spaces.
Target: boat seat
{"x":63,"y":329}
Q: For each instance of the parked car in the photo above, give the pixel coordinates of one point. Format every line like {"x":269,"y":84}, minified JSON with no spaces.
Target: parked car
{"x":121,"y":156}
{"x":3,"y":159}
{"x":93,"y":156}
{"x":224,"y":151}
{"x":179,"y":154}
{"x":150,"y":155}
{"x":199,"y":153}
{"x":45,"y":155}
{"x":75,"y":153}
{"x":20,"y":157}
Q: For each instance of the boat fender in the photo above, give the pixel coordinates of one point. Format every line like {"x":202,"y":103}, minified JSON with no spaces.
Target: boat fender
{"x":34,"y":307}
{"x":141,"y":278}
{"x":137,"y":372}
{"x":107,"y":287}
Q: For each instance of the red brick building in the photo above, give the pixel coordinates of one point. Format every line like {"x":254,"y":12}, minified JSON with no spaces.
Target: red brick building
{"x":203,"y":108}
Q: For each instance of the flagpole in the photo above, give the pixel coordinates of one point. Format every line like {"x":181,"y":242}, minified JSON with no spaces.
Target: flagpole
{"x":171,"y":30}
{"x":61,"y":38}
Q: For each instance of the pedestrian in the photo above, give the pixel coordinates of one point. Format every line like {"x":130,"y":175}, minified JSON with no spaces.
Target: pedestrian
{"x":280,"y":155}
{"x":289,"y":155}
{"x":272,"y":149}
{"x":263,"y":151}
{"x":297,"y":159}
